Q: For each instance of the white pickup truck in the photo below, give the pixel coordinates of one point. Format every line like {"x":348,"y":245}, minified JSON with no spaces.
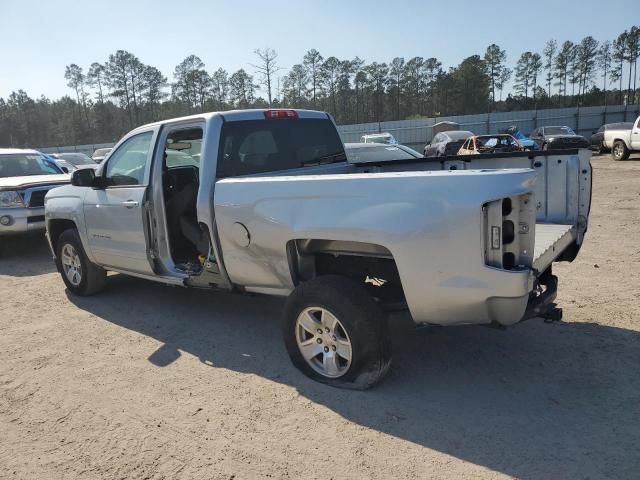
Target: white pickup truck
{"x":265,"y":201}
{"x":623,"y":142}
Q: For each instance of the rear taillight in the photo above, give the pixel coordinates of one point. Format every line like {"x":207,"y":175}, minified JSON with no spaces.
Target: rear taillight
{"x":509,"y":226}
{"x":274,"y":114}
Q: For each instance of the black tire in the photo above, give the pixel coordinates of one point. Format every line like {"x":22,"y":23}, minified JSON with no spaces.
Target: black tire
{"x":360,"y":317}
{"x":601,"y":148}
{"x":92,"y":277}
{"x":619,"y":151}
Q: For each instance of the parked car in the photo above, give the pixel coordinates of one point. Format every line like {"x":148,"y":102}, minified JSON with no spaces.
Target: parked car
{"x":375,"y":152}
{"x":623,"y":141}
{"x":444,"y":126}
{"x":446,"y":143}
{"x":279,"y":210}
{"x":74,"y":160}
{"x":100,"y":154}
{"x":25,"y":177}
{"x":597,"y":137}
{"x":385,"y":138}
{"x":499,"y":143}
{"x":525,"y":141}
{"x":558,"y":138}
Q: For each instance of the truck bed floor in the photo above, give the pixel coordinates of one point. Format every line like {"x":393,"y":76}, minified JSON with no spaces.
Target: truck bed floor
{"x":551,"y":240}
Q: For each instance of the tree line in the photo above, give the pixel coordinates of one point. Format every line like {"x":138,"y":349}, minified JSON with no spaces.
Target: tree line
{"x":122,"y":92}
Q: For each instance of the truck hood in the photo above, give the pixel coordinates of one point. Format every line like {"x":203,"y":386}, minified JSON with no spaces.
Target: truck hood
{"x":564,"y":137}
{"x":32,"y":181}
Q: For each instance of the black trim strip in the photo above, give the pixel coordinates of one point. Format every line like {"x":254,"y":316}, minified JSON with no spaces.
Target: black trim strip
{"x":469,"y":158}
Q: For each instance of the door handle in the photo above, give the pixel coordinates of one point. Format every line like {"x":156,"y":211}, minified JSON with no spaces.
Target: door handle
{"x":130,"y":203}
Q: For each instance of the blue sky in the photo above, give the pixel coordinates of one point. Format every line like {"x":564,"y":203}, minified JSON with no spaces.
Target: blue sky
{"x":38,"y":38}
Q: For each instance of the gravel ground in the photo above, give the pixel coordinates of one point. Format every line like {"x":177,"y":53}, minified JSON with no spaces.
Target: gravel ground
{"x":149,"y":381}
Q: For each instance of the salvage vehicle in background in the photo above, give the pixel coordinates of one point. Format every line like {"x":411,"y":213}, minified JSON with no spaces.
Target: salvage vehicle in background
{"x":525,"y":141}
{"x":100,"y":154}
{"x":25,"y":178}
{"x":75,"y":160}
{"x":385,"y":138}
{"x":375,"y":152}
{"x":558,"y":138}
{"x":446,"y":143}
{"x":623,"y":141}
{"x":499,"y":143}
{"x":274,"y":207}
{"x":597,"y":138}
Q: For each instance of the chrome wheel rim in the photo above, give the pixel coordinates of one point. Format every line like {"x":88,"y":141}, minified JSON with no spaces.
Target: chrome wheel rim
{"x":71,"y":264}
{"x":323,"y":342}
{"x":617,"y":150}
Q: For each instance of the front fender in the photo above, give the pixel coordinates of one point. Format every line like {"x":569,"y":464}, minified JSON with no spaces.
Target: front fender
{"x":67,"y":203}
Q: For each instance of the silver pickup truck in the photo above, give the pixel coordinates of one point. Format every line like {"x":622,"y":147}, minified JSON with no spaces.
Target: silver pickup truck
{"x":623,"y":142}
{"x":265,"y":201}
{"x":25,"y":178}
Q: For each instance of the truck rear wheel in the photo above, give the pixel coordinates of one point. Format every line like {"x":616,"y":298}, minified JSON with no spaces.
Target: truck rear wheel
{"x":620,"y":150}
{"x":335,"y":333}
{"x":78,"y":273}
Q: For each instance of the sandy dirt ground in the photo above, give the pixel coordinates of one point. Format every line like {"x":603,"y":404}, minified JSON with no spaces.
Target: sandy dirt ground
{"x":149,"y":381}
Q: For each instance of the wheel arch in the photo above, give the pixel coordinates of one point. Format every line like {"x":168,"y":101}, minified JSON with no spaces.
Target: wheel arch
{"x":55,"y":227}
{"x":369,"y":263}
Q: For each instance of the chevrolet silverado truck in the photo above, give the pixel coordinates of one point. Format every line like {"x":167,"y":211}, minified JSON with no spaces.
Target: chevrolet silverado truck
{"x":265,"y":201}
{"x":25,"y":178}
{"x":623,"y":141}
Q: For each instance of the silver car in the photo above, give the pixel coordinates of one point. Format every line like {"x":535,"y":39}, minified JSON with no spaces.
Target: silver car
{"x":100,"y":154}
{"x":25,"y":178}
{"x":75,"y":160}
{"x":446,"y":143}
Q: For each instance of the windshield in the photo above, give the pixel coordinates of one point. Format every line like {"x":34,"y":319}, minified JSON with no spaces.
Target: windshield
{"x":386,"y":139}
{"x":459,"y":134}
{"x":257,"y":146}
{"x":558,"y":131}
{"x":20,"y":164}
{"x":499,"y":142}
{"x":101,"y":152}
{"x":76,"y":159}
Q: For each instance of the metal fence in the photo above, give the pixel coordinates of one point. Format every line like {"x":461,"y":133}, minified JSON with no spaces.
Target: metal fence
{"x":416,"y":133}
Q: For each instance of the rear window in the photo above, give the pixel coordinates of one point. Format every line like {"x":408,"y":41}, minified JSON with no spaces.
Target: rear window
{"x":258,"y":146}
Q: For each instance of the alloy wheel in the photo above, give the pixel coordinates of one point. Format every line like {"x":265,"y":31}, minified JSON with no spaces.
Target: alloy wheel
{"x":71,"y":264}
{"x":323,"y":342}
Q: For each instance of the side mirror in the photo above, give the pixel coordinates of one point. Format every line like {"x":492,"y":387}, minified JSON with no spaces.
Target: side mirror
{"x":64,"y":169}
{"x":83,"y":177}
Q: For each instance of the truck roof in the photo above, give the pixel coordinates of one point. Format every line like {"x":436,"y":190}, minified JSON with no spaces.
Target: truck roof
{"x":14,"y":151}
{"x":238,"y":115}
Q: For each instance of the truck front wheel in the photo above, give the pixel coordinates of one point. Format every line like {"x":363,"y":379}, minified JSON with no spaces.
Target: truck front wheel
{"x":78,"y":273}
{"x":620,"y":151}
{"x":335,"y":333}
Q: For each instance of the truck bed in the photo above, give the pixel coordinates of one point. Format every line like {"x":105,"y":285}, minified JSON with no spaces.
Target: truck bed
{"x":551,"y":241}
{"x":562,"y":191}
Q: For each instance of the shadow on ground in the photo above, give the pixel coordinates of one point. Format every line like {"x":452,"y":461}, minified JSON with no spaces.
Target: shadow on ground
{"x":537,"y":401}
{"x":25,"y":256}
